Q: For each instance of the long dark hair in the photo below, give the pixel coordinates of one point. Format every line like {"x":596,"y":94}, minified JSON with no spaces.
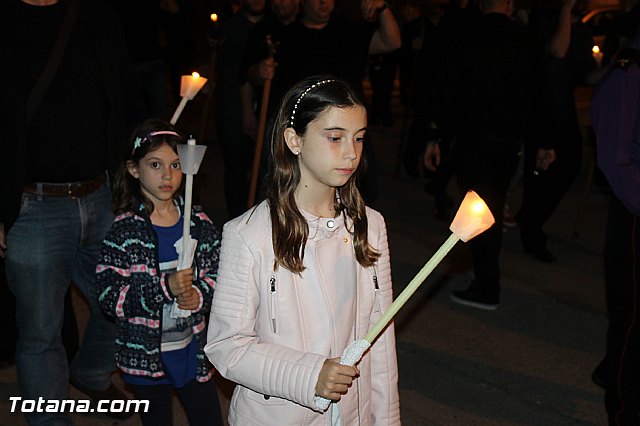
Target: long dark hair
{"x":301,"y":105}
{"x":143,"y":140}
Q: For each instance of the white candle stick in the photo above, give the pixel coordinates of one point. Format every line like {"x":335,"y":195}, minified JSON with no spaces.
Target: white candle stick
{"x":188,"y":194}
{"x":412,"y":287}
{"x":191,"y":156}
{"x":178,"y":111}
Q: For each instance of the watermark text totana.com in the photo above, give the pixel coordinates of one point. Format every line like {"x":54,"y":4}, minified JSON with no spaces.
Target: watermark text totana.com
{"x":42,"y":405}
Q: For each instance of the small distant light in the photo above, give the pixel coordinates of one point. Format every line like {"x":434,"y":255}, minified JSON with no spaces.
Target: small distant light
{"x":595,"y":49}
{"x":214,"y":17}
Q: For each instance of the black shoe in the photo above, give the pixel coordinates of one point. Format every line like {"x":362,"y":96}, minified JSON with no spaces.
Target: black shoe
{"x":542,"y":254}
{"x":475,"y":298}
{"x":110,"y":394}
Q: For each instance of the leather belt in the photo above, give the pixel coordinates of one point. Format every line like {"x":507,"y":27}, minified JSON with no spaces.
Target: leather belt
{"x":71,"y":189}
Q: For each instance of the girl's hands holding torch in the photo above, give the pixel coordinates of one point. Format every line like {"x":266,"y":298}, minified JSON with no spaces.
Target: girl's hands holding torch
{"x":189,"y":300}
{"x":180,"y":281}
{"x":335,"y":379}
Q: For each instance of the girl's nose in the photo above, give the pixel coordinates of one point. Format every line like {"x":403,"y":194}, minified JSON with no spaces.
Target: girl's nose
{"x":350,"y":151}
{"x":167,"y":173}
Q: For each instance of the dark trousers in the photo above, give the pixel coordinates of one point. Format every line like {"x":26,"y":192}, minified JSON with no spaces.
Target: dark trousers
{"x":543,"y":191}
{"x":486,"y":167}
{"x":200,"y":401}
{"x":70,"y":338}
{"x":622,"y":361}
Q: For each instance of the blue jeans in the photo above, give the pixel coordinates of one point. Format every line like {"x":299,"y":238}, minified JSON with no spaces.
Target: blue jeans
{"x":55,"y":241}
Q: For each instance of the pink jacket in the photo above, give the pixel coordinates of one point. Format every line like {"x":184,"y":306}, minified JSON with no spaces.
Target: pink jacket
{"x":265,"y":324}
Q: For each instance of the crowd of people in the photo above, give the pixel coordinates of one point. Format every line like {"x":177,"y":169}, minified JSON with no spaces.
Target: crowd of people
{"x":91,"y":190}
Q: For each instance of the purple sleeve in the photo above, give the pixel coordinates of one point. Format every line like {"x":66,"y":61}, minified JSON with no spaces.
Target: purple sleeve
{"x":615,"y":115}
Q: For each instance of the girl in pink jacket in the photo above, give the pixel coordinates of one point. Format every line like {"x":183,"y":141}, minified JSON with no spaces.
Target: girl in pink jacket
{"x":305,"y":273}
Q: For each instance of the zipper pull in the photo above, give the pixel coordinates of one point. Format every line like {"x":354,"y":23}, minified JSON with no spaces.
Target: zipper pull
{"x":376,"y":289}
{"x":272,"y":284}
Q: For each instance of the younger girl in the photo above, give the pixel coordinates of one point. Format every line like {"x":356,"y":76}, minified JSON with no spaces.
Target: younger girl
{"x":157,"y":348}
{"x":304,"y":274}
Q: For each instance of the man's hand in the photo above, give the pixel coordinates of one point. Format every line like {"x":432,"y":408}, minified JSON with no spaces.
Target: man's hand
{"x":370,"y":8}
{"x":544,"y":158}
{"x":3,"y":241}
{"x":432,"y":156}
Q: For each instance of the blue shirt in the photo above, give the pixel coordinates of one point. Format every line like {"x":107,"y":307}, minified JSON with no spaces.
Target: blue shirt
{"x":178,"y":347}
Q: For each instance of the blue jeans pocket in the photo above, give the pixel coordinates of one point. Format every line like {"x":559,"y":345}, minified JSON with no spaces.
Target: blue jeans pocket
{"x":27,"y":199}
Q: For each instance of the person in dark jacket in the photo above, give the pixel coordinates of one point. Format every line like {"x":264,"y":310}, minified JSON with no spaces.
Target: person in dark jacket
{"x":567,"y":62}
{"x":615,"y":114}
{"x":60,"y":136}
{"x":486,"y":94}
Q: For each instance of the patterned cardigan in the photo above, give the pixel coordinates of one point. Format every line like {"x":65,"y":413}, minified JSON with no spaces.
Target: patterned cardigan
{"x":131,"y":291}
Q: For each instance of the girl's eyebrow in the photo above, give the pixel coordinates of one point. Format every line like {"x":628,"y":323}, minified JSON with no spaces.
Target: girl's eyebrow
{"x":343,"y":129}
{"x":160,"y":159}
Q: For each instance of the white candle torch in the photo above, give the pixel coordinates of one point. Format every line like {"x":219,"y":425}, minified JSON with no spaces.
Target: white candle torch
{"x":191,"y":156}
{"x":473,"y":218}
{"x":190,"y":85}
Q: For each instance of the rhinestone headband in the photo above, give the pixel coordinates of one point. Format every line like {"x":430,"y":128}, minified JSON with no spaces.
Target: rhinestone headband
{"x":139,"y":141}
{"x":295,"y":107}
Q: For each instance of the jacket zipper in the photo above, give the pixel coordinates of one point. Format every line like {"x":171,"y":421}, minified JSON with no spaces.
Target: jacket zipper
{"x":272,"y":285}
{"x":376,"y":290}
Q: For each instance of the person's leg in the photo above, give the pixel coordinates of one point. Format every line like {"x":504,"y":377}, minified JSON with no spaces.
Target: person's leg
{"x":201,"y":403}
{"x":40,"y":248}
{"x":159,"y":397}
{"x":485,"y":248}
{"x":543,"y":191}
{"x":488,"y":173}
{"x":534,"y":184}
{"x":94,"y":361}
{"x":70,"y":333}
{"x":621,"y":366}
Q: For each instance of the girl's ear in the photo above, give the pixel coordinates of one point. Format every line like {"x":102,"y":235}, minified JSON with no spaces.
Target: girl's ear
{"x":293,"y":140}
{"x":132,"y":168}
